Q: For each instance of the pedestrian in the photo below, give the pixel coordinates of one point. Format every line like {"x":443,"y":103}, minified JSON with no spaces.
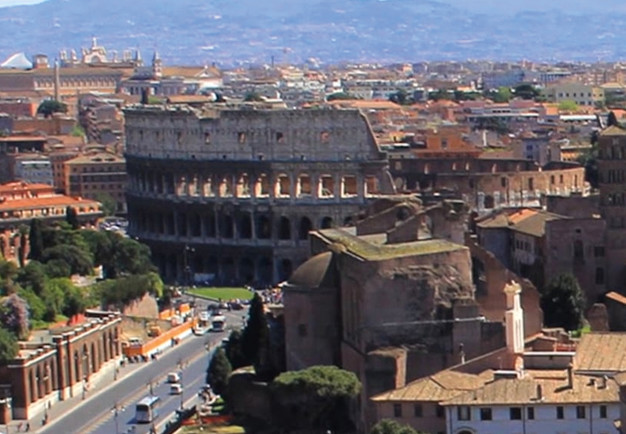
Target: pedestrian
{"x":27,"y":426}
{"x":19,"y":427}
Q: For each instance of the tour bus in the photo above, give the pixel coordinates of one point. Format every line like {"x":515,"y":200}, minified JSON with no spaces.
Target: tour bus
{"x":218,"y":323}
{"x":147,"y":409}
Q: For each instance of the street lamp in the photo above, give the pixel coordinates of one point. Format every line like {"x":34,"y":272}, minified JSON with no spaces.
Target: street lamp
{"x":182,"y":385}
{"x":187,"y":268}
{"x":150,"y":384}
{"x":116,"y":410}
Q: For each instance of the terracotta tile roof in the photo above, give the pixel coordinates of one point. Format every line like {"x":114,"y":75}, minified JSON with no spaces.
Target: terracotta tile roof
{"x":616,"y":297}
{"x":601,"y":352}
{"x":12,"y":187}
{"x":526,"y":220}
{"x":554,"y":391}
{"x":44,"y":202}
{"x":441,"y":386}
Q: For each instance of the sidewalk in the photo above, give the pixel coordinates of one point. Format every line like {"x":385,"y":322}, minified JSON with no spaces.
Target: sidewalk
{"x":101,"y":381}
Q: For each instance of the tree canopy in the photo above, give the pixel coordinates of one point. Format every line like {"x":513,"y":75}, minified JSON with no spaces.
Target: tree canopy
{"x":390,"y":426}
{"x":526,"y":91}
{"x":563,"y":303}
{"x":8,"y":346}
{"x":48,"y":107}
{"x":14,"y":315}
{"x":255,"y":338}
{"x":316,"y":397}
{"x":568,"y":106}
{"x":219,"y":371}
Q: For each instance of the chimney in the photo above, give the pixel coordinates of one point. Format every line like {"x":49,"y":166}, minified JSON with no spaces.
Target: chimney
{"x":570,"y":376}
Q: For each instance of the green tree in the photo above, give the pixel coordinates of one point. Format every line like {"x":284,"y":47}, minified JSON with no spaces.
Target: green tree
{"x":526,"y":91}
{"x":314,"y":398}
{"x":501,"y":95}
{"x":389,"y":426}
{"x":234,"y":351}
{"x":563,"y":303}
{"x":109,"y":205}
{"x":589,"y":160}
{"x":612,"y":119}
{"x":253,"y":97}
{"x":255,"y":337}
{"x":8,"y":346}
{"x":339,"y":96}
{"x":35,"y":304}
{"x":78,"y":260}
{"x":74,"y":302}
{"x":77,"y":131}
{"x":219,"y":371}
{"x":51,"y":106}
{"x":33,"y":276}
{"x":35,"y":238}
{"x":440,"y":94}
{"x":568,"y":106}
{"x":71,"y":217}
{"x":401,"y":97}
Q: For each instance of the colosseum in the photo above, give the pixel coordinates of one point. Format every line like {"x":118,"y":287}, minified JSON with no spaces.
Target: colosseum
{"x":230,"y":194}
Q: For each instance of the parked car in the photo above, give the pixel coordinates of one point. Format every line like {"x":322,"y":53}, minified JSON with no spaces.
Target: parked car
{"x":234,"y":305}
{"x":173,"y":377}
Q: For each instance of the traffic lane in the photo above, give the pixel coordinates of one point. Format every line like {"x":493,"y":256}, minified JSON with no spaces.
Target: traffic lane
{"x":193,"y":378}
{"x":107,"y":419}
{"x":89,"y":412}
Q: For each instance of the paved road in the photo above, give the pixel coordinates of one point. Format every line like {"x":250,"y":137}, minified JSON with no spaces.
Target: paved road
{"x":96,"y":415}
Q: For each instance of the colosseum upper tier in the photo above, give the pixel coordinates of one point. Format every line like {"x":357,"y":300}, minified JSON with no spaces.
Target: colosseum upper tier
{"x":230,"y":194}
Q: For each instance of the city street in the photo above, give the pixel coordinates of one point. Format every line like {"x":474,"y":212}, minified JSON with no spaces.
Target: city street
{"x":96,"y":414}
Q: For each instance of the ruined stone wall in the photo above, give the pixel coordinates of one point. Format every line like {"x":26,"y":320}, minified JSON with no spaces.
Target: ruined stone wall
{"x":578,"y":247}
{"x":399,"y":301}
{"x":232,"y":194}
{"x":491,"y":298}
{"x":487,"y":184}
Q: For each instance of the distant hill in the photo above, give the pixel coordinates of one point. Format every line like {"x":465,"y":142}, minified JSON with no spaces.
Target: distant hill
{"x":241,"y":31}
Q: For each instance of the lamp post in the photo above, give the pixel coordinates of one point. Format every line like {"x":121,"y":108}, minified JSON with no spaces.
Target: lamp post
{"x":116,"y":410}
{"x":182,"y":385}
{"x":150,"y":384}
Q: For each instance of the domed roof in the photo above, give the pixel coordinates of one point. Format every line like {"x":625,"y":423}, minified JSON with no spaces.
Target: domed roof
{"x":314,"y":273}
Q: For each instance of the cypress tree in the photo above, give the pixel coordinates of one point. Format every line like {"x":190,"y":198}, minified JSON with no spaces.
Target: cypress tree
{"x":218,"y":371}
{"x":255,"y":337}
{"x":35,"y":239}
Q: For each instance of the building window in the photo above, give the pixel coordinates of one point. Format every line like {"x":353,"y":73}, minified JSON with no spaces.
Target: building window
{"x":603,"y":414}
{"x":417,"y":410}
{"x":241,"y":137}
{"x":279,"y":137}
{"x":503,"y":182}
{"x":440,"y":412}
{"x":515,"y":413}
{"x":463,"y":413}
{"x":397,"y":410}
{"x":580,"y":412}
{"x":598,"y":251}
{"x":578,"y":250}
{"x":444,"y":143}
{"x":531,"y":184}
{"x":560,"y":413}
{"x":485,"y":413}
{"x":530,"y":413}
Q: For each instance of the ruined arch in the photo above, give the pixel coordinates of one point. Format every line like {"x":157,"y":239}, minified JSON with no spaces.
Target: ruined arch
{"x":246,"y":270}
{"x":284,"y":228}
{"x":226,"y":227}
{"x":305,"y":228}
{"x":327,"y":222}
{"x":245,"y":226}
{"x":285,"y":269}
{"x":264,"y":227}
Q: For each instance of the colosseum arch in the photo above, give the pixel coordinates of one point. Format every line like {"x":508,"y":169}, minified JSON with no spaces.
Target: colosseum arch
{"x":284,"y":228}
{"x":245,"y":226}
{"x":246,"y":270}
{"x":285,"y":269}
{"x":226,"y":226}
{"x":263,"y":227}
{"x":304,"y":228}
{"x":327,"y":222}
{"x":265,"y":270}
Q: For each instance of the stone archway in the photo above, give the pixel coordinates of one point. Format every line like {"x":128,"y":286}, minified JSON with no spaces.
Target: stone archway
{"x":284,"y":228}
{"x":305,"y":228}
{"x":327,"y":222}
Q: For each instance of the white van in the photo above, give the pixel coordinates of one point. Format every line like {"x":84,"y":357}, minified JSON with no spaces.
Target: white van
{"x":173,"y":378}
{"x":176,"y":389}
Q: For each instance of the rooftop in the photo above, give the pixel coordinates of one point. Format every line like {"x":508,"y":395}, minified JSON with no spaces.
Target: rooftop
{"x":380,"y":252}
{"x":601,"y":352}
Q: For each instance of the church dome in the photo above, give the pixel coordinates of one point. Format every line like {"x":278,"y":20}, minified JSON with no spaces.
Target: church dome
{"x":317,"y":272}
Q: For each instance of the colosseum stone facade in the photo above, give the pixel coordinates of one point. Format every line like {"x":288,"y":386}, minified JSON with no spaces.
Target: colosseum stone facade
{"x":231,"y":194}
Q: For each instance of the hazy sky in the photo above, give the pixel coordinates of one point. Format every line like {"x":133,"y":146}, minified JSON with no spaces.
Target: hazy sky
{"x":4,"y":3}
